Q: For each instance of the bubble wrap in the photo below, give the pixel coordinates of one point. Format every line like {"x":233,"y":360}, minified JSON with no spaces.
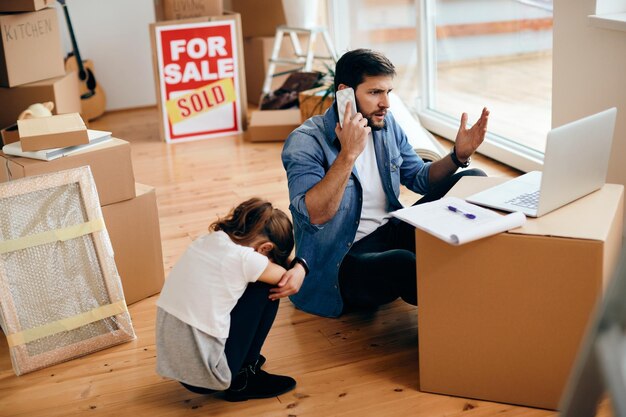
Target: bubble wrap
{"x":55,"y":281}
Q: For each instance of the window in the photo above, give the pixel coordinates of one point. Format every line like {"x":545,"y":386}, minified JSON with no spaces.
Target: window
{"x":493,"y":53}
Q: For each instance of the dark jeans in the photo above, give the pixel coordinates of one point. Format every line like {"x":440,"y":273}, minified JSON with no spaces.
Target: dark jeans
{"x":381,"y":267}
{"x":250,"y":322}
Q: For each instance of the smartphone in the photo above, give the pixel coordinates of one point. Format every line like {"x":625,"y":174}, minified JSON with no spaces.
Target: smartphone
{"x":344,"y":96}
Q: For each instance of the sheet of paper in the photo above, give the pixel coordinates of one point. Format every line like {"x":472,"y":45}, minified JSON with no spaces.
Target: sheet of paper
{"x":457,"y":221}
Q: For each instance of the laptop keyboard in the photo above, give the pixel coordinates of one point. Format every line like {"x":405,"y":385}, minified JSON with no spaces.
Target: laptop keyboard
{"x":528,"y":200}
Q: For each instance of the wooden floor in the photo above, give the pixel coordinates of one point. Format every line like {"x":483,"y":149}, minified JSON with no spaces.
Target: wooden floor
{"x":358,"y":365}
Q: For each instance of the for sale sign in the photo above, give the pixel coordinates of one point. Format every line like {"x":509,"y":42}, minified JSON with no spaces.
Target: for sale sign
{"x":198,"y":80}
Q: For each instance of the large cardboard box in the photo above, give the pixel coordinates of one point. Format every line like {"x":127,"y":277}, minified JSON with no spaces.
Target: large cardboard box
{"x":30,"y":48}
{"x":24,"y":5}
{"x":58,"y":131}
{"x":63,"y":91}
{"x":110,"y":163}
{"x":259,"y":18}
{"x":272,"y":125}
{"x":502,"y":318}
{"x":133,"y":226}
{"x":257,"y":52}
{"x":184,"y":9}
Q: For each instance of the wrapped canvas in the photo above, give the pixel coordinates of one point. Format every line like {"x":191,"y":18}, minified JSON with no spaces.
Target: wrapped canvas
{"x":60,"y":292}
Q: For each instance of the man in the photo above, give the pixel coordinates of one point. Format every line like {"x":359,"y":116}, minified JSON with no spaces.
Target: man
{"x":343,"y":184}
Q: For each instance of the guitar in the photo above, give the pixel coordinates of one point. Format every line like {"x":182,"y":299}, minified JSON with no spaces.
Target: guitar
{"x":92,"y":98}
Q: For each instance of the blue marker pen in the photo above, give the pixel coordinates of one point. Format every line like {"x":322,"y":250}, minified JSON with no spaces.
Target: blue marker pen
{"x":457,"y":210}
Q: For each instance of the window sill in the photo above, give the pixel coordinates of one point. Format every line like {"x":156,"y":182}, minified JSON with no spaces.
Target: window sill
{"x":613,"y":21}
{"x":505,"y":151}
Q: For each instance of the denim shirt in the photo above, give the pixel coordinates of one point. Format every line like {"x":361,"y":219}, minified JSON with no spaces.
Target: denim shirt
{"x":307,"y":155}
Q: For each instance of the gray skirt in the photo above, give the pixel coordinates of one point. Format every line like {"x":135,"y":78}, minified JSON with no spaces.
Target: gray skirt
{"x":189,"y":355}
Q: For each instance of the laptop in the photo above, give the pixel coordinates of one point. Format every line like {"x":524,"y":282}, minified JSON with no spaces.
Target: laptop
{"x":575,"y":164}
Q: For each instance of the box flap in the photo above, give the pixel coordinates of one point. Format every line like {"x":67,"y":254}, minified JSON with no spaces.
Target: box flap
{"x":589,"y":217}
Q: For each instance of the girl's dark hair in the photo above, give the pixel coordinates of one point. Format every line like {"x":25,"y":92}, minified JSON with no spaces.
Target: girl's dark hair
{"x":256,"y":217}
{"x":354,"y":65}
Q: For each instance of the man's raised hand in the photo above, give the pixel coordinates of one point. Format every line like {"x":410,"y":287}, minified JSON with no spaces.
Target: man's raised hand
{"x":468,"y":140}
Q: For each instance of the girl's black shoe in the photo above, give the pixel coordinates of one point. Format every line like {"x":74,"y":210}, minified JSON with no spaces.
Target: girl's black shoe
{"x":251,"y":382}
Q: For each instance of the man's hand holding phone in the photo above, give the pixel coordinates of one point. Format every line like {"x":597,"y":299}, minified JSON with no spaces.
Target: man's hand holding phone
{"x":352,"y":129}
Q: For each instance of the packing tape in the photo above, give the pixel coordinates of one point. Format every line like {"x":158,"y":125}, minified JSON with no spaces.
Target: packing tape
{"x":50,"y":236}
{"x":70,"y":323}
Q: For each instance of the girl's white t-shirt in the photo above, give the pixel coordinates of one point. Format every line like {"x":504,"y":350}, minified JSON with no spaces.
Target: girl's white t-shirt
{"x":208,"y":280}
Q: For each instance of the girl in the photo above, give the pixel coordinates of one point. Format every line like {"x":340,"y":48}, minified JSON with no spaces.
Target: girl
{"x":216,"y":307}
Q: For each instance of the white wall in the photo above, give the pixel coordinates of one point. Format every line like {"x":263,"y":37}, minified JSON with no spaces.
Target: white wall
{"x":589,"y":74}
{"x":114,"y":35}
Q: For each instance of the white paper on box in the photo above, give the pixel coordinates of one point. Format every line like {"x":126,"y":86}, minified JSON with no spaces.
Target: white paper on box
{"x":456,"y":221}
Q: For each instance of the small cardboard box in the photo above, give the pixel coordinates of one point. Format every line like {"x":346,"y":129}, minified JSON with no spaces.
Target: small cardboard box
{"x":501,"y":319}
{"x":259,"y":18}
{"x":30,"y":48}
{"x":315,"y":101}
{"x":63,"y":91}
{"x":133,"y":227}
{"x":110,"y":163}
{"x":185,"y":9}
{"x":272,"y":125}
{"x":257,"y":52}
{"x":51,"y":132}
{"x":10,"y":134}
{"x":11,"y":6}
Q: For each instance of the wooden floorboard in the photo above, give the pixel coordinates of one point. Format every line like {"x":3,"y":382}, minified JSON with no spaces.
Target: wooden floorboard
{"x":362,"y":364}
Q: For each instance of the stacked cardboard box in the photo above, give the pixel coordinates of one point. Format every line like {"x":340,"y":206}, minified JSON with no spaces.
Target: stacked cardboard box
{"x":133,"y":227}
{"x":257,"y":53}
{"x":185,"y":9}
{"x":259,"y":21}
{"x":31,"y":60}
{"x":32,"y":71}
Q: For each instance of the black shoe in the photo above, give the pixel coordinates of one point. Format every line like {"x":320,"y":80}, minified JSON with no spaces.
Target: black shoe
{"x":260,"y":362}
{"x":252,"y":382}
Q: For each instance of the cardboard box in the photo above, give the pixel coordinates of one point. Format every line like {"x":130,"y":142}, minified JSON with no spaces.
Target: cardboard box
{"x":24,"y":5}
{"x":110,"y":163}
{"x":259,"y":18}
{"x":63,"y":91}
{"x":272,"y":125}
{"x":30,"y":49}
{"x":51,"y":132}
{"x":501,"y":319}
{"x":10,"y":134}
{"x":257,"y":53}
{"x":133,"y":226}
{"x":314,"y":101}
{"x":185,"y":9}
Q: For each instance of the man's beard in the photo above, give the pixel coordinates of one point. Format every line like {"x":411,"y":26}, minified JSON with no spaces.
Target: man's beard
{"x":375,"y":126}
